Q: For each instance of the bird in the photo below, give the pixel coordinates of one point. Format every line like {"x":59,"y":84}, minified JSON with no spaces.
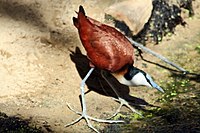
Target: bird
{"x":110,"y":51}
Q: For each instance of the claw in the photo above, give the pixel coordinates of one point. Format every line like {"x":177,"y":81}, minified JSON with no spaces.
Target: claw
{"x":88,"y":118}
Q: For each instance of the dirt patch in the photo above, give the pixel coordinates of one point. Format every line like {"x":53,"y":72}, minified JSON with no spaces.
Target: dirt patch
{"x":39,"y":74}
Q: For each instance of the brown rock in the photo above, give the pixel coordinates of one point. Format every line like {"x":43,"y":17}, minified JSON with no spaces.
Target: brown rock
{"x":135,"y":13}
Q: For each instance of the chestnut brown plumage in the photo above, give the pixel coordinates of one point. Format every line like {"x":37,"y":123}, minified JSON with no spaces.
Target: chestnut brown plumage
{"x":109,"y":50}
{"x":106,"y":47}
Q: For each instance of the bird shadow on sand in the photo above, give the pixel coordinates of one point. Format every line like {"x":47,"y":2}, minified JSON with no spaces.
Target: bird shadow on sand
{"x":98,"y":84}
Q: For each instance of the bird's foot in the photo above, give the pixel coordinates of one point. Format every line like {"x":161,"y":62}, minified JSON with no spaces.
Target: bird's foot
{"x":83,"y":115}
{"x":125,"y":103}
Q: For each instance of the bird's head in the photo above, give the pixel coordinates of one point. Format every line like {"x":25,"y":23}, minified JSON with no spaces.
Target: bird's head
{"x":136,"y":77}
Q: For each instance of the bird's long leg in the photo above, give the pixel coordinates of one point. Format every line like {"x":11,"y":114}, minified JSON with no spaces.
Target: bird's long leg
{"x":83,"y":114}
{"x":121,"y":100}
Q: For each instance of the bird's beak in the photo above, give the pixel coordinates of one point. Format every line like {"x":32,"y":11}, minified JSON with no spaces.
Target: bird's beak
{"x":154,"y":85}
{"x":160,"y":89}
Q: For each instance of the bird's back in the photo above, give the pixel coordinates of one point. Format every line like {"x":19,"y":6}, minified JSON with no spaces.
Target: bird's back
{"x":106,"y":47}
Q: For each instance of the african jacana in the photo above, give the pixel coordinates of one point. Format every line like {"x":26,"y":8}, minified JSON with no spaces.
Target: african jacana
{"x":109,"y":50}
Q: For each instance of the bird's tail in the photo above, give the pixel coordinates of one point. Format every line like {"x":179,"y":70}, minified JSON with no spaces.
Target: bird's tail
{"x":81,"y":16}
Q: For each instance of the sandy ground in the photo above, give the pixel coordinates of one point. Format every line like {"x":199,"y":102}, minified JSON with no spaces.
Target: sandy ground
{"x":39,"y":74}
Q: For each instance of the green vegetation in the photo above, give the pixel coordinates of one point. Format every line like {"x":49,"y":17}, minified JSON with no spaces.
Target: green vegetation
{"x":174,"y":88}
{"x":179,"y":111}
{"x":198,"y":48}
